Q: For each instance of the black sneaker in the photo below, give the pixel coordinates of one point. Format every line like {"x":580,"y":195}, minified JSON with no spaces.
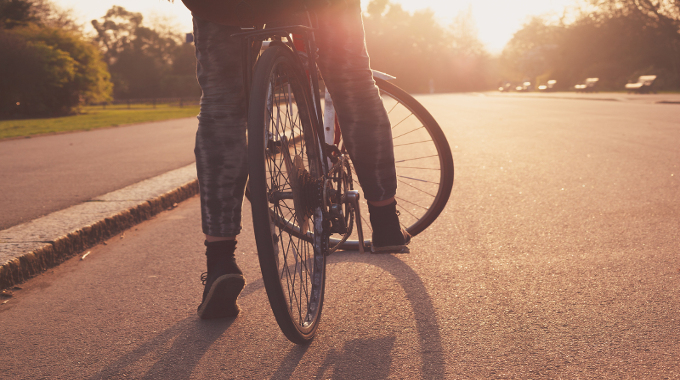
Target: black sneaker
{"x":223,"y":282}
{"x":388,"y":235}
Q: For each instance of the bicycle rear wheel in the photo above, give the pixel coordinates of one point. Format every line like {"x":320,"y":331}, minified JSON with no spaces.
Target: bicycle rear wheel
{"x":286,"y":169}
{"x":423,"y":162}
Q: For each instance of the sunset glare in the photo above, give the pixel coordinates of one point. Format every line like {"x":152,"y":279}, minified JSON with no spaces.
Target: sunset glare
{"x":496,"y":20}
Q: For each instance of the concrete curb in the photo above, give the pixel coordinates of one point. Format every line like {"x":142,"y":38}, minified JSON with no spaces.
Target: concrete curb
{"x":33,"y":247}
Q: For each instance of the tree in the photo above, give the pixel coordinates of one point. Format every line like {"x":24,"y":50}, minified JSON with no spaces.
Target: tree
{"x":614,"y":40}
{"x":471,"y":65}
{"x":50,"y":72}
{"x":464,"y":35}
{"x":48,"y":68}
{"x":14,"y":13}
{"x":657,"y":28}
{"x":421,"y":53}
{"x":144,"y":62}
{"x":532,"y":52}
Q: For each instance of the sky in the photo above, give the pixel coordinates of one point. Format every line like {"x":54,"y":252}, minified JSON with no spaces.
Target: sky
{"x":496,"y":20}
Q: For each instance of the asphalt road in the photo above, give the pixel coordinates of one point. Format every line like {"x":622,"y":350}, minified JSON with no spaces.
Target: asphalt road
{"x":556,"y":257}
{"x":44,"y":174}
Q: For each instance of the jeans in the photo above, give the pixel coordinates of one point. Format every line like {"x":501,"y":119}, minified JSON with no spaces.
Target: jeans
{"x":221,"y":137}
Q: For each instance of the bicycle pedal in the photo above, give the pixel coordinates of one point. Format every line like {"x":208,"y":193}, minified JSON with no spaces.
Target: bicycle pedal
{"x":338,"y":224}
{"x":338,"y":228}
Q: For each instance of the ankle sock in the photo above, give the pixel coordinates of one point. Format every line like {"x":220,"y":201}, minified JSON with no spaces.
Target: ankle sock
{"x":223,"y":246}
{"x":221,"y":256}
{"x":387,"y":209}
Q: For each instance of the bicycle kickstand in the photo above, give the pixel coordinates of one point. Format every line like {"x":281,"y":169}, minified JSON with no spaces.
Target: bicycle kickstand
{"x":352,"y":197}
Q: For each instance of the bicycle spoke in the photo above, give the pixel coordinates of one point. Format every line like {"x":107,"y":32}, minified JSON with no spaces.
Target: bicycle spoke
{"x":409,"y":202}
{"x":286,"y":269}
{"x":421,"y":190}
{"x":402,"y":120}
{"x":292,"y":282}
{"x":417,"y":158}
{"x":411,"y":131}
{"x":302,"y":279}
{"x":413,"y":143}
{"x":417,"y":167}
{"x":407,"y":211}
{"x":393,"y":107}
{"x":417,"y":179}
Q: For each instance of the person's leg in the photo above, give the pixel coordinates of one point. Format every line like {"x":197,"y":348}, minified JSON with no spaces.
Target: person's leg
{"x":221,"y":137}
{"x":366,"y":129}
{"x":220,"y":163}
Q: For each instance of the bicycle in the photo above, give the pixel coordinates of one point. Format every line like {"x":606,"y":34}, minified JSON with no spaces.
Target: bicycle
{"x":304,"y":199}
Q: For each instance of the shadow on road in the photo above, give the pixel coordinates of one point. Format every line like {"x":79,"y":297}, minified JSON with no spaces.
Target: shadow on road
{"x":290,"y":362}
{"x":190,"y":338}
{"x":352,"y":361}
{"x":432,"y":356}
{"x":360,"y":359}
{"x":177,"y":351}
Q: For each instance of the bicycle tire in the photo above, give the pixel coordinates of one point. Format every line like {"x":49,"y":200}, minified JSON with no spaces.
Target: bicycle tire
{"x":423,"y":190}
{"x":282,"y":146}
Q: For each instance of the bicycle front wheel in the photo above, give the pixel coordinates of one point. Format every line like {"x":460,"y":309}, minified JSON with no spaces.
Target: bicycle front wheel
{"x":286,"y":172}
{"x":423,"y":161}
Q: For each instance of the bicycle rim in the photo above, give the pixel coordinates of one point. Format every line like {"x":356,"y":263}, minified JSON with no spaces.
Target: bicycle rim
{"x":284,"y":165}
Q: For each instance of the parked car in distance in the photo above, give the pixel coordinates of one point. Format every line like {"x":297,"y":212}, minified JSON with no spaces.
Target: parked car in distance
{"x":549,"y":86}
{"x":643,"y":85}
{"x":589,"y":85}
{"x":505,"y":87}
{"x":524,"y":87}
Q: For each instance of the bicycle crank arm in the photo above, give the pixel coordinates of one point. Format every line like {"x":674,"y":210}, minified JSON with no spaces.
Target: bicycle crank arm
{"x":352,"y":197}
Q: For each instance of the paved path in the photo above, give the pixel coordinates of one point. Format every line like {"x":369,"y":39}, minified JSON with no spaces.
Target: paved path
{"x":555,"y":258}
{"x":44,"y":174}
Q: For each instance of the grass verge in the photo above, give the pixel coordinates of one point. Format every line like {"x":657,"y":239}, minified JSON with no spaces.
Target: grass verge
{"x":94,"y":117}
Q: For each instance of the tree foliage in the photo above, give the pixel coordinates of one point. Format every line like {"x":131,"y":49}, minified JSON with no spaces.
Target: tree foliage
{"x":14,"y":13}
{"x":145,"y":62}
{"x":615,"y":40}
{"x":47,"y":71}
{"x":423,"y":54}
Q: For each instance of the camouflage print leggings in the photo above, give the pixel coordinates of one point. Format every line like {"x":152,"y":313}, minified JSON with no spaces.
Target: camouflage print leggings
{"x":221,"y":137}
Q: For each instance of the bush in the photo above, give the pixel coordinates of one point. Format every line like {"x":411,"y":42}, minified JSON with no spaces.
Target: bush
{"x":49,"y":72}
